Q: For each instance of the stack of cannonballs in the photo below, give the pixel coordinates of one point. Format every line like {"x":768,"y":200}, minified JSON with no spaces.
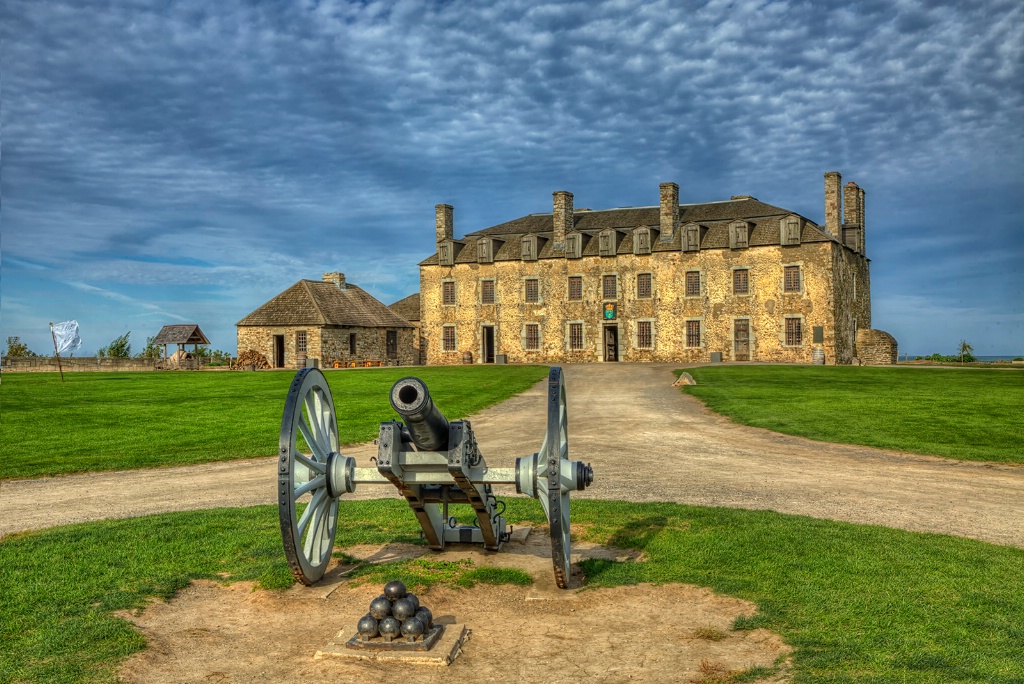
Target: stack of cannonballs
{"x":395,"y":613}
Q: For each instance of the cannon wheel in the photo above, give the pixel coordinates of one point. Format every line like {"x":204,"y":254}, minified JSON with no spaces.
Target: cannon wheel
{"x":555,"y":450}
{"x":307,"y":508}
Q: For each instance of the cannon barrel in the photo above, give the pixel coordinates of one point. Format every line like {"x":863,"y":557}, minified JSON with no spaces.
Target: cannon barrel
{"x":426,"y":424}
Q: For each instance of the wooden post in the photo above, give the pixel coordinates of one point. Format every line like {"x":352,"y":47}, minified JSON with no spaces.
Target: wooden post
{"x":56,"y":353}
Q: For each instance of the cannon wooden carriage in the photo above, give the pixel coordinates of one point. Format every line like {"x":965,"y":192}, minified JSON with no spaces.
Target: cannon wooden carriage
{"x":435,"y":463}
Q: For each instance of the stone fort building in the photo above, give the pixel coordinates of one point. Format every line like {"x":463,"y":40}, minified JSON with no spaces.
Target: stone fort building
{"x":734,"y":280}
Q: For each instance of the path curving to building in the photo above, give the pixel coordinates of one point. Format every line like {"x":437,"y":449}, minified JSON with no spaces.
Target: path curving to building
{"x":646,"y":440}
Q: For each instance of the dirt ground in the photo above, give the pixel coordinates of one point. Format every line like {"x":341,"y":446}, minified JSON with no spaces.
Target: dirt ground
{"x":534,"y":635}
{"x":646,"y":441}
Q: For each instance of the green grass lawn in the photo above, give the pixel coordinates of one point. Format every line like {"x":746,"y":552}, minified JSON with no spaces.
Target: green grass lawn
{"x":858,"y":603}
{"x":969,"y":414}
{"x":118,"y":421}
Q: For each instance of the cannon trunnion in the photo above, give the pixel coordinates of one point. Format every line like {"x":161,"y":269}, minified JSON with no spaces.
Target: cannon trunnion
{"x":433,"y":462}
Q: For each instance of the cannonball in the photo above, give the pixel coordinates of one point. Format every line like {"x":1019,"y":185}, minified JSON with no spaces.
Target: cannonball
{"x":412,"y":597}
{"x":413,"y":627}
{"x":367,"y":626}
{"x":403,"y":609}
{"x":389,"y":627}
{"x":380,"y":607}
{"x":425,"y":616}
{"x":394,"y":590}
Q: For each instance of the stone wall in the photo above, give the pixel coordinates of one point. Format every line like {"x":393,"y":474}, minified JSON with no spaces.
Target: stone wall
{"x":79,"y":364}
{"x":876,"y":348}
{"x":766,"y":306}
{"x":330,"y":344}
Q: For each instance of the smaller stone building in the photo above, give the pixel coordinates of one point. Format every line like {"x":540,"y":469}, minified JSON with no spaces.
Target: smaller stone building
{"x":409,"y":309}
{"x":329,"y":322}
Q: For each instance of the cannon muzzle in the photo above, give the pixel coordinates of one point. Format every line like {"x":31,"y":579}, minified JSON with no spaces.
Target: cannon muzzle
{"x":426,"y":424}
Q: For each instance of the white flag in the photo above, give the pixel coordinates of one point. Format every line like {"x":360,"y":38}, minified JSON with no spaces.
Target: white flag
{"x":65,"y":335}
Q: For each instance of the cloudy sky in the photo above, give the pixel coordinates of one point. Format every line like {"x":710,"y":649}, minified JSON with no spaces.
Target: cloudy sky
{"x":167,"y":162}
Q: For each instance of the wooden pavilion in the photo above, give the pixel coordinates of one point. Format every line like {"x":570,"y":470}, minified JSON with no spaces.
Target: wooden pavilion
{"x":180,"y":335}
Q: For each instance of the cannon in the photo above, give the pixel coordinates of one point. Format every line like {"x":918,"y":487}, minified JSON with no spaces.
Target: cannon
{"x":432,"y":461}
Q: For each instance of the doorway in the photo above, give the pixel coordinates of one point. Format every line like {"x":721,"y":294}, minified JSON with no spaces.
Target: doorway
{"x":741,"y":335}
{"x":278,"y":351}
{"x":488,"y":344}
{"x":611,"y":343}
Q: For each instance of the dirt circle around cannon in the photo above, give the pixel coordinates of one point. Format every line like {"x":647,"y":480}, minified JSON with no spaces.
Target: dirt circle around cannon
{"x":234,"y":632}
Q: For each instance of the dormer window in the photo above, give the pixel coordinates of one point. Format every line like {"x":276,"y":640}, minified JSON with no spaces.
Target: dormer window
{"x":529,"y":246}
{"x":692,"y":234}
{"x":445,"y":253}
{"x":739,"y":235}
{"x":789,"y":229}
{"x":573,"y":246}
{"x":642,"y":241}
{"x":485,"y":250}
{"x":607,"y":243}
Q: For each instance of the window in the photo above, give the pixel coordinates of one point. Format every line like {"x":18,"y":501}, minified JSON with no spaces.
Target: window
{"x":608,"y":288}
{"x":485,"y":251}
{"x":300,"y":341}
{"x":790,"y":231}
{"x":738,"y":232}
{"x":642,"y":241}
{"x":794,"y":334}
{"x":532,"y":290}
{"x":573,"y":246}
{"x":607,"y":245}
{"x":392,"y":344}
{"x":693,"y":283}
{"x":575,"y":288}
{"x":645,"y":335}
{"x":529,"y":252}
{"x":791,"y":280}
{"x":448,"y":338}
{"x":692,"y":333}
{"x":643,"y":286}
{"x":444,"y":254}
{"x":532,"y":338}
{"x":575,"y":336}
{"x":486,"y":291}
{"x":448,"y":293}
{"x":352,"y":343}
{"x":741,"y":281}
{"x":691,"y":238}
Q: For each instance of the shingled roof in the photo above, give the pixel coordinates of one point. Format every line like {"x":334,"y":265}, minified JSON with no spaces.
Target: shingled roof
{"x":715,"y":216}
{"x":319,"y":303}
{"x":408,"y":308}
{"x":188,"y":333}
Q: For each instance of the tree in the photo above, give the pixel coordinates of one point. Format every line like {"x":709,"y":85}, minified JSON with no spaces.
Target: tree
{"x":17,"y":349}
{"x":152,"y":351}
{"x":120,"y":348}
{"x":965,"y":352}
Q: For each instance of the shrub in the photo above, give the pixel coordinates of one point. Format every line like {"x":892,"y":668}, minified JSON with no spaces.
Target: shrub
{"x":17,"y":349}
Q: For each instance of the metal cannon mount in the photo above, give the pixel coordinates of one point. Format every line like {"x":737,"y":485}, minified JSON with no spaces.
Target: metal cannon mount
{"x":432,"y":461}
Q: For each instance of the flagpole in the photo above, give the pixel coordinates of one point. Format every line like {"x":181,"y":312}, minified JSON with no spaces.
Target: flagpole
{"x":56,"y":353}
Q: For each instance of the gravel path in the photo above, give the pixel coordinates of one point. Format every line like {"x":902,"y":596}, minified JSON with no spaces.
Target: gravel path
{"x":647,"y":442}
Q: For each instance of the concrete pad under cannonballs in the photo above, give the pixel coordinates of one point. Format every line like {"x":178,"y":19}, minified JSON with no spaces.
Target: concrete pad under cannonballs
{"x":447,"y":648}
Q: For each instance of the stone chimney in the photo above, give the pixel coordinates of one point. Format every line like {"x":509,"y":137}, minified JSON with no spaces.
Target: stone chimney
{"x":336,"y":278}
{"x":833,"y":204}
{"x":444,"y":221}
{"x":562,"y":215}
{"x":669,"y":211}
{"x":852,"y":215}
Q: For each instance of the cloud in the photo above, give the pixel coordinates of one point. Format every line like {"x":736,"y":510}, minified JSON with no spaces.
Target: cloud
{"x":236,"y":147}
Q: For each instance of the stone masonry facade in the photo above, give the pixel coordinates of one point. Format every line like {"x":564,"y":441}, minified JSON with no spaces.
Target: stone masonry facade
{"x":331,"y":344}
{"x":739,"y":278}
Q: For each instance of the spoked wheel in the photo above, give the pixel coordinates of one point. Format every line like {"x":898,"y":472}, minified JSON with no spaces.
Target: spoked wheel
{"x":549,"y":475}
{"x":307,"y":503}
{"x":553,"y":452}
